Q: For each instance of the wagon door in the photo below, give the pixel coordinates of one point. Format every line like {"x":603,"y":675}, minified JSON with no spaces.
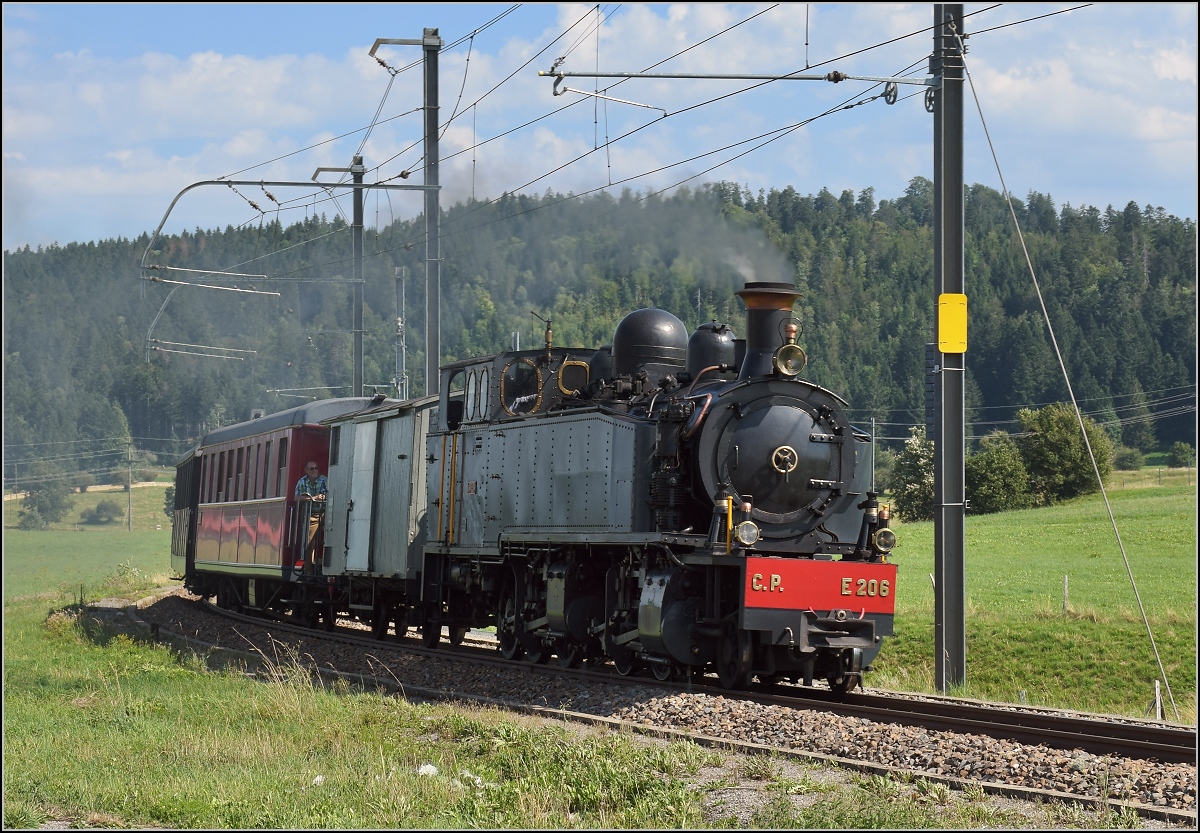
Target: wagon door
{"x":362,"y":492}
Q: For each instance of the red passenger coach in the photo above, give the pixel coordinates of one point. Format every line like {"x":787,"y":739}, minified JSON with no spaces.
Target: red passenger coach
{"x":245,"y":533}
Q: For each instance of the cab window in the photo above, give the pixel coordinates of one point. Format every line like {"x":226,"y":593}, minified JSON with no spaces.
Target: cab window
{"x":521,"y":387}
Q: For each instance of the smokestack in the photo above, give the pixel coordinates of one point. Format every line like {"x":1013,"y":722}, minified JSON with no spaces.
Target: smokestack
{"x":768,"y":309}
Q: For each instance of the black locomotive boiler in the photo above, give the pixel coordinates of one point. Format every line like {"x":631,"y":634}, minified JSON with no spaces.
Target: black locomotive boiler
{"x":682,"y":504}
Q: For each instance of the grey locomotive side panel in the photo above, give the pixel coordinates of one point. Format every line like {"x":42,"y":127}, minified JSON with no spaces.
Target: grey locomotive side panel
{"x":573,"y":474}
{"x":469,"y":502}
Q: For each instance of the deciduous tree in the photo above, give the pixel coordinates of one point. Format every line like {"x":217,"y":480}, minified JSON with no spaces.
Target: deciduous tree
{"x":995,"y":476}
{"x":1056,"y":455}
{"x":911,"y":482}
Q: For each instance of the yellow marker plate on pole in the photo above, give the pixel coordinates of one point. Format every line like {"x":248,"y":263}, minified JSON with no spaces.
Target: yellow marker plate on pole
{"x":952,"y":323}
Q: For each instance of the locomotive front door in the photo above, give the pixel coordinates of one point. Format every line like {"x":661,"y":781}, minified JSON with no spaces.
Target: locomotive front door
{"x":360,"y":507}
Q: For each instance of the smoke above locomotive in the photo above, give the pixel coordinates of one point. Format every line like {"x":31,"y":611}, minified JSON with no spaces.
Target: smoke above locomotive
{"x":679,"y":503}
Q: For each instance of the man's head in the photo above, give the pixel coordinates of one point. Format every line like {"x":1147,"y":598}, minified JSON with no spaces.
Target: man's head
{"x":310,"y":468}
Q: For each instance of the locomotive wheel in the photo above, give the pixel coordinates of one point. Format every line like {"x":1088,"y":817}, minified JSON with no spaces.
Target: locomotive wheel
{"x":845,"y":685}
{"x":540,"y":656}
{"x":626,"y":665}
{"x":457,"y":634}
{"x":570,"y":654}
{"x":662,"y":672}
{"x":733,"y":657}
{"x":506,"y":624}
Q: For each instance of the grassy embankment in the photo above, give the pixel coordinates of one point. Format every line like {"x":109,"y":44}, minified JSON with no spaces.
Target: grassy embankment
{"x":1095,"y":654}
{"x":99,"y":727}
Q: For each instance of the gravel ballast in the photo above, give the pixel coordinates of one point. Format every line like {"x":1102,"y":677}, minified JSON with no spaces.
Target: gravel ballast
{"x":1169,"y":786}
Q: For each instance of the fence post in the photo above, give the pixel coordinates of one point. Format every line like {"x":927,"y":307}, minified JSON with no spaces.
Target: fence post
{"x":1064,"y":595}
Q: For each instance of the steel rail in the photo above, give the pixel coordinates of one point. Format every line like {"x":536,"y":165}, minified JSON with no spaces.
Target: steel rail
{"x":484,"y":654}
{"x":1096,"y":734}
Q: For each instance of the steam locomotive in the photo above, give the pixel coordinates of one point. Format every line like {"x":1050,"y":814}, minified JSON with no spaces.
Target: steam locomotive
{"x":683,"y":504}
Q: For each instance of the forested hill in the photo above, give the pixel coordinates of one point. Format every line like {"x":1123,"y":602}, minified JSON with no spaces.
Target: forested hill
{"x":1120,"y":287}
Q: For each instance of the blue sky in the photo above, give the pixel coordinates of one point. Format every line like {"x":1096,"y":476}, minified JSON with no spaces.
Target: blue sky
{"x":110,"y":110}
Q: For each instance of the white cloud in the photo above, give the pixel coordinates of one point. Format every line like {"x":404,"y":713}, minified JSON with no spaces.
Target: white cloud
{"x":1175,"y":65}
{"x":1110,"y":82}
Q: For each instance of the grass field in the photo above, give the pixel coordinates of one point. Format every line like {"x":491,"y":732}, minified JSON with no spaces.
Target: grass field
{"x":107,"y":732}
{"x":147,"y":500}
{"x":1094,"y":655}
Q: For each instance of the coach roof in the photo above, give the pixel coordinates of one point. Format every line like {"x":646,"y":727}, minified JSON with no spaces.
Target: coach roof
{"x":309,"y":413}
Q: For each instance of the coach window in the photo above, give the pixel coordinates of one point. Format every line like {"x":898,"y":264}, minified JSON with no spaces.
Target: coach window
{"x":257,"y":471}
{"x":239,"y":475}
{"x":266,"y":472}
{"x":281,"y":481}
{"x":247,"y":472}
{"x":220,"y":476}
{"x":205,"y":477}
{"x":335,"y":442}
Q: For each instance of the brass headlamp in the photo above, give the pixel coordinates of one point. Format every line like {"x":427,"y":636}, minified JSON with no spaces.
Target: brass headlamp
{"x":790,"y":358}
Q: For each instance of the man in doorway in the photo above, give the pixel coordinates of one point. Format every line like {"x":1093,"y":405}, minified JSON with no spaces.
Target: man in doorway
{"x":311,"y":489}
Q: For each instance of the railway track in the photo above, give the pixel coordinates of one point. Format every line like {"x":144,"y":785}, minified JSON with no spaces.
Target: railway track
{"x":918,"y":725}
{"x":1097,"y":735}
{"x":1060,"y":730}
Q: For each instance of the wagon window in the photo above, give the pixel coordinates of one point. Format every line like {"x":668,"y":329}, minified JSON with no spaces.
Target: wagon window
{"x":239,"y":477}
{"x":335,"y":436}
{"x":220,"y":476}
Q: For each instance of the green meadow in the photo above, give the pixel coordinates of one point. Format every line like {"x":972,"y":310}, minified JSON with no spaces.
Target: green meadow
{"x":1094,"y":653}
{"x":101,"y":730}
